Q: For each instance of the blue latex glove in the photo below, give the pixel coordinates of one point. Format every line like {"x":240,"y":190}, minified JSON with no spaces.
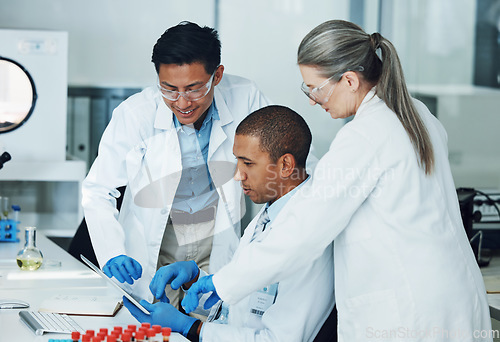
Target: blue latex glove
{"x":123,"y":268}
{"x":163,"y":314}
{"x":175,"y":274}
{"x":203,"y":285}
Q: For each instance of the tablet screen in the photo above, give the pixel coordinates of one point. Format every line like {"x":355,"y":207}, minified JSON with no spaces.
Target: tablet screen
{"x":116,"y":285}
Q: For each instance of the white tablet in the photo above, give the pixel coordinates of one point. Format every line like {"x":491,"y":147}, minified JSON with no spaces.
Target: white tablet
{"x":115,"y":284}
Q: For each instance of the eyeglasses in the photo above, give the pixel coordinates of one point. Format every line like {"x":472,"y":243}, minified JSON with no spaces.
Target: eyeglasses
{"x":190,"y":95}
{"x":315,"y":93}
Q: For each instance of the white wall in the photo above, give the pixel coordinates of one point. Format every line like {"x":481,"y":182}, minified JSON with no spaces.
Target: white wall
{"x":111,"y":41}
{"x":435,"y":40}
{"x":260,"y":40}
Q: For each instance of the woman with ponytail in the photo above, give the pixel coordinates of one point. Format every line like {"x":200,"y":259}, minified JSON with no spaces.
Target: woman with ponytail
{"x":384,"y":194}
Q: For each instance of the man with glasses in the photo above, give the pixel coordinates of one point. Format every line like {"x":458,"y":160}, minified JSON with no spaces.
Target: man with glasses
{"x":171,"y":146}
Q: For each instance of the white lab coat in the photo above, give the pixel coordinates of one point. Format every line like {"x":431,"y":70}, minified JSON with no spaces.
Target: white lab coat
{"x":404,"y":269}
{"x":140,"y":149}
{"x":303,"y":303}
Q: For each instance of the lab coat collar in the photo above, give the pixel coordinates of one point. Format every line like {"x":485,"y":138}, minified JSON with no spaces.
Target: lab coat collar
{"x":275,"y":208}
{"x":218,"y":134}
{"x":225,"y":115}
{"x":273,"y":211}
{"x":370,"y":98}
{"x":164,"y":116}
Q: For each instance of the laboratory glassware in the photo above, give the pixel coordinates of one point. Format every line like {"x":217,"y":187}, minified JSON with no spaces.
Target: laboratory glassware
{"x":30,"y":258}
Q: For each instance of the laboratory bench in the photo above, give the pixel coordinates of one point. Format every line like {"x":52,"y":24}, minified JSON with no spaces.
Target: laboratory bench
{"x":60,"y":274}
{"x":491,"y":276}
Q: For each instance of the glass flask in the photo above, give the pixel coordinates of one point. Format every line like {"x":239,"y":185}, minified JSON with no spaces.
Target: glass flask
{"x":29,"y":258}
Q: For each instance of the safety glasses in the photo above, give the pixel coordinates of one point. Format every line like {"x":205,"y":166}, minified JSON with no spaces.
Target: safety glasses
{"x":190,"y":95}
{"x":317,"y":94}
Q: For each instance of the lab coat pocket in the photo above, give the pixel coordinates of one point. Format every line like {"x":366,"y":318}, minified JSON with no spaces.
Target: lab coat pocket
{"x":370,"y":317}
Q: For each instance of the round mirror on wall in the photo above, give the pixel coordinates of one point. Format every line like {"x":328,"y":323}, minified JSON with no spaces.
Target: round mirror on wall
{"x":17,"y":95}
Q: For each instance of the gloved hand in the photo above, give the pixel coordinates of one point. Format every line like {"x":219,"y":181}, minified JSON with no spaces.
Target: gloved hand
{"x":203,"y":285}
{"x":123,"y":268}
{"x":175,"y":274}
{"x":163,"y":314}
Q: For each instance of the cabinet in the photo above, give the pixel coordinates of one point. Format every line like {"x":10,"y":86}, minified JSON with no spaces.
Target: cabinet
{"x":49,"y":194}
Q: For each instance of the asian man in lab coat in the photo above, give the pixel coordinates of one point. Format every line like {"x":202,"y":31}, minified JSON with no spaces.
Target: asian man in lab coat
{"x":271,"y":146}
{"x":171,"y":146}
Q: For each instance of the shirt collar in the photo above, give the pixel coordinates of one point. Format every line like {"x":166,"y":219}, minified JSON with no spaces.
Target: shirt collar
{"x":212,"y":114}
{"x":274,"y":209}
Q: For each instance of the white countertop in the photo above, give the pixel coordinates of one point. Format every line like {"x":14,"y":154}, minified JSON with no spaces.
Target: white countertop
{"x":61,"y":274}
{"x":491,"y":276}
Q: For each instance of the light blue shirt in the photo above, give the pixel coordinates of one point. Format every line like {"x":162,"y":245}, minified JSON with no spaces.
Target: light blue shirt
{"x":196,"y":189}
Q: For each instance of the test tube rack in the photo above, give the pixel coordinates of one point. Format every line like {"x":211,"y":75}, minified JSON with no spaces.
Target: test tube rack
{"x":8,"y":231}
{"x":144,"y":333}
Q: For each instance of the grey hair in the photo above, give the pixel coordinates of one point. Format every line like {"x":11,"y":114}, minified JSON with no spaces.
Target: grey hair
{"x":337,"y":46}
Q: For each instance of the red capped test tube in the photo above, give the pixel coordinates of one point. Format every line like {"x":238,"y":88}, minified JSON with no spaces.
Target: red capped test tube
{"x":166,"y":334}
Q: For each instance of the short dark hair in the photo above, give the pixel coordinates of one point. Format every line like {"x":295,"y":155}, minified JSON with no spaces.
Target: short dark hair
{"x":280,"y":130}
{"x":188,"y":43}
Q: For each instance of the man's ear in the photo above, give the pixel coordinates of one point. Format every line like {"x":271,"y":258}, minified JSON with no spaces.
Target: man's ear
{"x":218,"y":74}
{"x":287,"y":165}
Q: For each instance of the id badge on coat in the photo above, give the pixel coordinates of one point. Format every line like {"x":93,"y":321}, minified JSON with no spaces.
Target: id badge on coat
{"x":261,"y":300}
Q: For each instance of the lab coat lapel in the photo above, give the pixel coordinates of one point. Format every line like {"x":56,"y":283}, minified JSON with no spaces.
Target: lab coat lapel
{"x":249,"y":230}
{"x":171,"y":162}
{"x":218,"y":134}
{"x":165,"y":154}
{"x":164,"y":116}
